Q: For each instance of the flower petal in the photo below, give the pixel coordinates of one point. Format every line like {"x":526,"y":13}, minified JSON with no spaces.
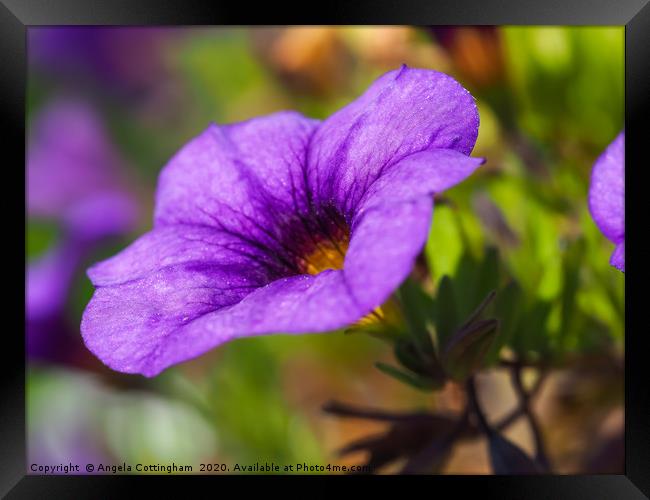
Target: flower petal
{"x":70,"y":159}
{"x":48,"y":280}
{"x":243,"y":178}
{"x":196,"y":248}
{"x":146,"y":325}
{"x":618,"y":257}
{"x":392,"y":224}
{"x":213,"y":267}
{"x":424,"y":173}
{"x":403,"y":112}
{"x":607,"y":190}
{"x":102,"y":215}
{"x":385,"y":242}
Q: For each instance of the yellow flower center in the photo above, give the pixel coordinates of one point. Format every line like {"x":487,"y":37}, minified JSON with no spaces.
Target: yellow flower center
{"x":386,"y":317}
{"x":326,"y":254}
{"x":329,"y":253}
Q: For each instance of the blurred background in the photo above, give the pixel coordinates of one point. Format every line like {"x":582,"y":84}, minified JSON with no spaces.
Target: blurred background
{"x":107,"y":107}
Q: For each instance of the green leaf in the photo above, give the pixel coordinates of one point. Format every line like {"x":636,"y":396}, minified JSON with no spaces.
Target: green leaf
{"x":508,"y":310}
{"x":571,"y":273}
{"x":445,"y":244}
{"x":465,"y":283}
{"x":418,"y":307}
{"x":407,"y":378}
{"x":488,"y":274}
{"x":532,"y":333}
{"x":466,"y":350}
{"x":446,"y":311}
{"x":426,"y":365}
{"x":480,"y":310}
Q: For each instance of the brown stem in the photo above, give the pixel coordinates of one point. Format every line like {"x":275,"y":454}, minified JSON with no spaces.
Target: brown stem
{"x":524,"y":399}
{"x":475,"y":407}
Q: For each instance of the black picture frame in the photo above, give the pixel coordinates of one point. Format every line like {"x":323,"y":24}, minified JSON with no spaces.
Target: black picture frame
{"x":17,"y":15}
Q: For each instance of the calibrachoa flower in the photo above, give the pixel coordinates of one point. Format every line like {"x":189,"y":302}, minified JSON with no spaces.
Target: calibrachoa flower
{"x":73,"y":181}
{"x":284,"y":224}
{"x":607,"y":197}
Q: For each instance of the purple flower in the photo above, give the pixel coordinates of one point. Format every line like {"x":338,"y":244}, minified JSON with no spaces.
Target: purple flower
{"x":72,"y":180}
{"x":73,"y":173}
{"x":127,"y":58}
{"x":284,"y":224}
{"x":607,"y":197}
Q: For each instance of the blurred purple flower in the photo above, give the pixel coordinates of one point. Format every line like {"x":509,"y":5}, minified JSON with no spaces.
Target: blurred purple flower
{"x":284,"y":224}
{"x":73,"y":173}
{"x":127,"y":58}
{"x":607,"y":197}
{"x":73,"y":180}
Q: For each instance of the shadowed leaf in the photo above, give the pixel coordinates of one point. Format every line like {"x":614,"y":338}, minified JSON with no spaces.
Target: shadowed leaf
{"x":421,"y":383}
{"x":466,"y":350}
{"x":419,"y":311}
{"x":446,"y":311}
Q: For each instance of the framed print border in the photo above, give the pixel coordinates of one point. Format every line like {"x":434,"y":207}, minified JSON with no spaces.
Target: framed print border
{"x":16,"y":16}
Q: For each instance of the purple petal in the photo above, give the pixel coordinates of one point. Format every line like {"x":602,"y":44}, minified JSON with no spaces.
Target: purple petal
{"x":48,"y":279}
{"x":165,"y":280}
{"x":47,"y":284}
{"x":618,"y":257}
{"x":424,"y":173}
{"x":107,"y":214}
{"x":147,"y":325}
{"x":246,"y":180}
{"x":121,"y":57}
{"x":236,"y":209}
{"x":181,"y":290}
{"x":197,"y":248}
{"x":73,"y":173}
{"x":68,"y":159}
{"x":392,"y":223}
{"x":170,"y":297}
{"x":404,"y":112}
{"x":386,"y":240}
{"x":242,"y":178}
{"x":607,"y":190}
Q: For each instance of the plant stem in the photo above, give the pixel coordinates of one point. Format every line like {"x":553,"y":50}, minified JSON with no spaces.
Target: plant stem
{"x":524,"y":399}
{"x":475,"y":407}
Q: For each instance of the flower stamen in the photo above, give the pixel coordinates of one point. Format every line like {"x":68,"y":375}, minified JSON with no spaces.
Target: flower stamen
{"x":328,"y":254}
